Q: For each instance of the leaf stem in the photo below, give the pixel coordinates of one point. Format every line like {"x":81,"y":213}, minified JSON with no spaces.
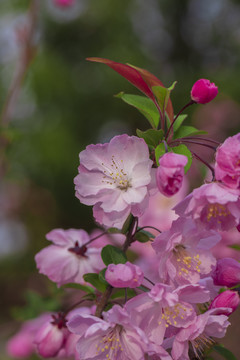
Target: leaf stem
{"x":175,"y":118}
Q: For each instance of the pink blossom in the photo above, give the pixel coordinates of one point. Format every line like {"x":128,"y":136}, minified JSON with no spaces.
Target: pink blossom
{"x":199,"y":334}
{"x":227,"y":272}
{"x":22,"y":345}
{"x":227,"y":299}
{"x":169,"y":175}
{"x":64,"y":3}
{"x":212,"y":206}
{"x":124,"y":275}
{"x":114,"y":337}
{"x":203,"y":91}
{"x":227,"y":168}
{"x":69,"y":258}
{"x":51,"y":336}
{"x":165,"y":307}
{"x":116,"y":178}
{"x":183,"y":251}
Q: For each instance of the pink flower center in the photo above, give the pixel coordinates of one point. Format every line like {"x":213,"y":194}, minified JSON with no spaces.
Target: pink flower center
{"x":216,"y":211}
{"x":115,"y":175}
{"x":79,"y":250}
{"x":185,"y":261}
{"x":59,"y":320}
{"x":172,"y":314}
{"x":110,"y":343}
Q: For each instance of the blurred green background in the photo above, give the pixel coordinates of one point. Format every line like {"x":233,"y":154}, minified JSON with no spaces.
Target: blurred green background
{"x":66,"y":102}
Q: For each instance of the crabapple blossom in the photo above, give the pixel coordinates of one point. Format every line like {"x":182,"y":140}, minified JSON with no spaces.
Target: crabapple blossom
{"x":203,"y":91}
{"x":115,"y":337}
{"x":199,"y":333}
{"x":116,"y":178}
{"x":212,"y":206}
{"x":165,"y":307}
{"x":227,"y":167}
{"x":227,"y":299}
{"x":124,"y":275}
{"x":68,"y":259}
{"x":227,"y":272}
{"x":183,"y":250}
{"x":51,"y":336}
{"x":169,"y":175}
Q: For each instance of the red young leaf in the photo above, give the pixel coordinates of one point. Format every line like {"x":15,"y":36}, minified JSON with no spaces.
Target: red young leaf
{"x":140,"y":78}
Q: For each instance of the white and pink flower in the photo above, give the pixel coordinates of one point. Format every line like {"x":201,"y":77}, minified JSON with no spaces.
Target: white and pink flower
{"x":115,"y":337}
{"x":68,"y":259}
{"x":212,"y":206}
{"x":116,"y":178}
{"x":183,"y":250}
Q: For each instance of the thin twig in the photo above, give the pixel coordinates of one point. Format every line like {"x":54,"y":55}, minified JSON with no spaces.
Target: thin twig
{"x":183,"y":140}
{"x":205,"y":163}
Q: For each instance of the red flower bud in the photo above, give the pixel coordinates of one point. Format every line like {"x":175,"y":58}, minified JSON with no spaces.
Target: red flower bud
{"x":227,"y":272}
{"x":203,"y":91}
{"x":227,"y":299}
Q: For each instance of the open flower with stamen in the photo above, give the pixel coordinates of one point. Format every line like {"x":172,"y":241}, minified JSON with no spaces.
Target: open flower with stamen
{"x":212,"y":206}
{"x":68,"y":259}
{"x":116,"y":178}
{"x":164,"y":307}
{"x":200,"y":334}
{"x":114,"y":338}
{"x":183,"y":250}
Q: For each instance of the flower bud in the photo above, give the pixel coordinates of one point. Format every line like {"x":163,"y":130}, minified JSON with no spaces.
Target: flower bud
{"x":227,"y":299}
{"x":227,"y":272}
{"x":169,"y":175}
{"x":203,"y":91}
{"x":51,"y":337}
{"x":20,"y":346}
{"x":124,"y":275}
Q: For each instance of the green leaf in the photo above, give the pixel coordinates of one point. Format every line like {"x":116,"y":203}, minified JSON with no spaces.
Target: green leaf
{"x":227,"y":354}
{"x":127,"y":224}
{"x":160,"y":151}
{"x":162,"y":95}
{"x":152,"y":137}
{"x":87,"y":289}
{"x":114,"y":230}
{"x":144,"y":105}
{"x":120,"y":293}
{"x":93,"y":279}
{"x":178,"y":122}
{"x":113,"y":255}
{"x":183,"y":150}
{"x":143,"y":236}
{"x":187,"y":131}
{"x":235,"y":247}
{"x":101,"y":276}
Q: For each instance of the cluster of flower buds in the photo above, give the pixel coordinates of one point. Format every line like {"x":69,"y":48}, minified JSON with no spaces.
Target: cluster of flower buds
{"x":171,"y":300}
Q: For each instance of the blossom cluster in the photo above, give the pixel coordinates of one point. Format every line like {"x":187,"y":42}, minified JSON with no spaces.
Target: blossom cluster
{"x":178,"y":295}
